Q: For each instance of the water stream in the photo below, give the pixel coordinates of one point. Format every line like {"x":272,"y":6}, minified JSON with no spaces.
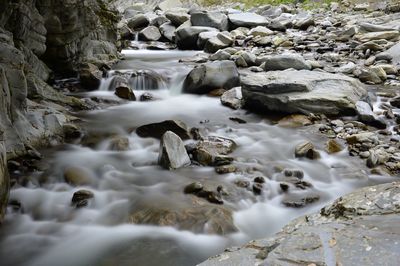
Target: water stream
{"x":47,"y":230}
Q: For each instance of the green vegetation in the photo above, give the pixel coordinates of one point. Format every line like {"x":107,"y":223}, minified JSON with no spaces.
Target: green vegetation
{"x":307,"y":4}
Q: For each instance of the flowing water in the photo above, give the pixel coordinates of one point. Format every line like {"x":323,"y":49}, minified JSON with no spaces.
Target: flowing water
{"x":47,"y":230}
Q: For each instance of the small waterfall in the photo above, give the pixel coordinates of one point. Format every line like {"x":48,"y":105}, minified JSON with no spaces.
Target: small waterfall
{"x":147,"y":80}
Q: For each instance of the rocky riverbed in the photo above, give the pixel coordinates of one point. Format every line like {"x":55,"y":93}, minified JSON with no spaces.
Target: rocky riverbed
{"x":165,"y":132}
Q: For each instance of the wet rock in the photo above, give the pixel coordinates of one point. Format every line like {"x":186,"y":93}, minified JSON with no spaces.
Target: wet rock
{"x":332,"y":146}
{"x":302,"y":91}
{"x":242,"y":183}
{"x":248,"y":20}
{"x":225,"y":169}
{"x":150,"y":33}
{"x":257,"y":188}
{"x":259,"y":179}
{"x":299,"y":174}
{"x":295,"y":120}
{"x":78,"y":176}
{"x":232,"y":98}
{"x":299,"y":201}
{"x":172,"y":154}
{"x":146,"y":97}
{"x":362,"y":138}
{"x":372,"y":75}
{"x":210,"y":196}
{"x":193,"y":188}
{"x":157,"y":130}
{"x":216,"y":20}
{"x":367,"y":116}
{"x":90,"y":76}
{"x":210,"y":76}
{"x":217,"y":145}
{"x":81,"y":198}
{"x":306,"y":150}
{"x":186,"y":37}
{"x":196,"y":216}
{"x":285,"y":61}
{"x":395,"y":102}
{"x":4,"y":182}
{"x":125,"y":93}
{"x":119,"y":143}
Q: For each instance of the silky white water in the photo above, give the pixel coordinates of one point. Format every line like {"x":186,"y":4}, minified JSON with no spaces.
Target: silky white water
{"x":47,"y":230}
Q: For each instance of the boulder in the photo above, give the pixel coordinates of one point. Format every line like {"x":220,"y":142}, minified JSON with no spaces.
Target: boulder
{"x":216,"y":20}
{"x":150,"y":33}
{"x":126,"y":93}
{"x":367,"y":116}
{"x":177,"y":17}
{"x":211,"y":76}
{"x":90,"y":76}
{"x":222,"y":40}
{"x":247,"y":19}
{"x":194,"y":214}
{"x":394,"y":52}
{"x":138,"y":21}
{"x":285,"y":61}
{"x":157,"y":130}
{"x":172,"y":154}
{"x":232,"y":98}
{"x":169,"y":4}
{"x":186,"y":37}
{"x":81,"y":198}
{"x":204,"y":37}
{"x":306,"y":150}
{"x":168,"y":31}
{"x":303,"y":91}
{"x":356,"y":227}
{"x":260,"y":31}
{"x":386,"y":35}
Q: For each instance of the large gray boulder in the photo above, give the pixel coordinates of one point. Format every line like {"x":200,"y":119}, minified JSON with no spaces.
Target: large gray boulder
{"x":210,"y":19}
{"x":394,"y":51}
{"x":150,"y":33}
{"x":210,"y":76}
{"x":285,"y":61}
{"x":173,"y":154}
{"x":186,"y":38}
{"x":247,"y":19}
{"x":361,"y":228}
{"x":220,"y":41}
{"x":303,"y":91}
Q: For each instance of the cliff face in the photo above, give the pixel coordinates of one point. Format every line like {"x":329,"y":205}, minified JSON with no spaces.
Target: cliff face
{"x":38,"y":38}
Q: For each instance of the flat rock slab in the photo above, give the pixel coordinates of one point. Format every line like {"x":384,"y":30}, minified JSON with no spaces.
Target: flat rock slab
{"x":303,"y":91}
{"x":361,"y":228}
{"x":247,"y":19}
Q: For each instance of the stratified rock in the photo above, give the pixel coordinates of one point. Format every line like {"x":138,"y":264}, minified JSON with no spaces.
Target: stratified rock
{"x":301,"y":92}
{"x":157,"y":130}
{"x":285,"y":61}
{"x":369,"y":213}
{"x":210,"y":76}
{"x":247,"y":19}
{"x":173,"y":154}
{"x":216,"y":20}
{"x":186,"y":37}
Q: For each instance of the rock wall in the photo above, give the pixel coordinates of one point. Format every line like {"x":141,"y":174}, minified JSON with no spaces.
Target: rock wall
{"x":37,"y":39}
